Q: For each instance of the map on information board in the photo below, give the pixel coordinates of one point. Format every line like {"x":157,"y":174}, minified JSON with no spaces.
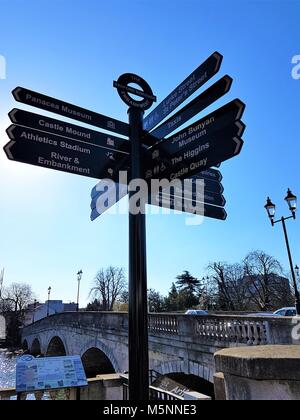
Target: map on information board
{"x":49,"y":373}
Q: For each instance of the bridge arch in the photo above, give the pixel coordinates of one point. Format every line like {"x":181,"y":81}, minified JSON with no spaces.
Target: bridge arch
{"x":95,"y":362}
{"x":107,"y":355}
{"x":56,"y":347}
{"x":25,"y":346}
{"x":35,"y":348}
{"x":191,"y":368}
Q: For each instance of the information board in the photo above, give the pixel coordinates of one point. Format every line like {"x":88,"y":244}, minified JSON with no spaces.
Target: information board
{"x":49,"y":373}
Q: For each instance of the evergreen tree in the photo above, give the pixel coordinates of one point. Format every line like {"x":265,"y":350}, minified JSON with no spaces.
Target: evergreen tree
{"x":186,"y":282}
{"x":171,"y":301}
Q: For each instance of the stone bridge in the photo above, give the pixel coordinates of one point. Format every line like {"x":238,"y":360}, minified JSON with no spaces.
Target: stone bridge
{"x":178,"y":344}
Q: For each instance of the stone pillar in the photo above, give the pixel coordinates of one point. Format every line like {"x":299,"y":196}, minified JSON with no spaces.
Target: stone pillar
{"x":103,"y":388}
{"x":259,"y":373}
{"x":220,"y":391}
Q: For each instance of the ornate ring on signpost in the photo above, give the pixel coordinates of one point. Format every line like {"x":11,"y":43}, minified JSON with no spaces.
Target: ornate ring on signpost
{"x":124,"y":90}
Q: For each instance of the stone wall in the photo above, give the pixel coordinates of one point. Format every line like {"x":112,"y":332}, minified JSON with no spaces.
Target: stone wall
{"x":268,"y":373}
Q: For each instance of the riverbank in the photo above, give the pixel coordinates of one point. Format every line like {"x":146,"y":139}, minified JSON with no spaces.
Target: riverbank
{"x":11,"y":352}
{"x":8,"y":358}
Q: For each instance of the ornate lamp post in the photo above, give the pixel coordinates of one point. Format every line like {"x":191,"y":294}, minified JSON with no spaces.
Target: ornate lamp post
{"x":79,"y":277}
{"x":291,"y":200}
{"x":48,"y":307}
{"x":34,"y":308}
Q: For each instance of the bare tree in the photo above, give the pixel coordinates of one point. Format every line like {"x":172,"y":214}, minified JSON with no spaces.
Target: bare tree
{"x":109,"y":285}
{"x":15,"y":299}
{"x":18,"y":296}
{"x":266,"y":286}
{"x":218,"y":272}
{"x":238,"y":287}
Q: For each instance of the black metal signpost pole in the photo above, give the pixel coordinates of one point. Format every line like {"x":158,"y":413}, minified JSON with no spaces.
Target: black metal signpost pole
{"x":138,"y":311}
{"x":138,"y":308}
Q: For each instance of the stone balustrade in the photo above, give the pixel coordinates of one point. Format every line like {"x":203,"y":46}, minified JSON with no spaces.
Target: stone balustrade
{"x":223,"y":329}
{"x":178,"y":343}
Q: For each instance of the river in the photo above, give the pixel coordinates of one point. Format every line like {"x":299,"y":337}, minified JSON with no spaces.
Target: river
{"x":7,"y":370}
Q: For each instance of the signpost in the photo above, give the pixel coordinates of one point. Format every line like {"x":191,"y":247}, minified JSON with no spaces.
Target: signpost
{"x":190,"y":85}
{"x":106,"y":196}
{"x":198,"y":157}
{"x":176,"y":203}
{"x":74,"y":112}
{"x":226,"y":118}
{"x":138,"y":307}
{"x":54,"y":152}
{"x":188,"y":155}
{"x":71,"y":131}
{"x":202,"y":101}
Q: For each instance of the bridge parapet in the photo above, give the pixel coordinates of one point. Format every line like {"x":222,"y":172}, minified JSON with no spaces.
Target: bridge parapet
{"x":177,"y":343}
{"x":219,"y":330}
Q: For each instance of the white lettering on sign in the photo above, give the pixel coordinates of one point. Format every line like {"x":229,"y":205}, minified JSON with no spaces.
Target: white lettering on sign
{"x":41,"y":102}
{"x":63,"y":108}
{"x":48,"y":140}
{"x":50,"y":126}
{"x":78,"y":114}
{"x":63,"y":166}
{"x":190,"y":154}
{"x":198,"y":165}
{"x":193,"y":133}
{"x":38,"y":139}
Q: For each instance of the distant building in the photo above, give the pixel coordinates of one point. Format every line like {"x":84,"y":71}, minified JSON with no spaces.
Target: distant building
{"x":37,"y":311}
{"x":272,"y":290}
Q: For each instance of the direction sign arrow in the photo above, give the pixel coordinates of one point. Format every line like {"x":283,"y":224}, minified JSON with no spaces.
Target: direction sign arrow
{"x":187,"y":191}
{"x":186,"y":206}
{"x":160,"y":164}
{"x":196,"y":159}
{"x":74,"y":112}
{"x":8,"y":148}
{"x":103,"y":198}
{"x":162,"y":152}
{"x":197,"y":79}
{"x":57,"y":127}
{"x":210,"y":174}
{"x":54,"y":152}
{"x":204,"y":100}
{"x":207,"y":198}
{"x":204,"y":128}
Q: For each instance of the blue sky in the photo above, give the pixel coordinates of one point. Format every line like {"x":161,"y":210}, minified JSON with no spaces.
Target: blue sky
{"x":73,"y":50}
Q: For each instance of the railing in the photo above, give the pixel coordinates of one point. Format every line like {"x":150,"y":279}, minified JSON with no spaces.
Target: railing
{"x":163,"y":324}
{"x":235,"y":331}
{"x":217,"y":329}
{"x":155,"y":394}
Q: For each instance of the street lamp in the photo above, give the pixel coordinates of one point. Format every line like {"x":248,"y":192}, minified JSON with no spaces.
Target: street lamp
{"x":34,"y":308}
{"x":297,"y":271}
{"x":79,"y":277}
{"x":291,"y":200}
{"x":48,"y":308}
